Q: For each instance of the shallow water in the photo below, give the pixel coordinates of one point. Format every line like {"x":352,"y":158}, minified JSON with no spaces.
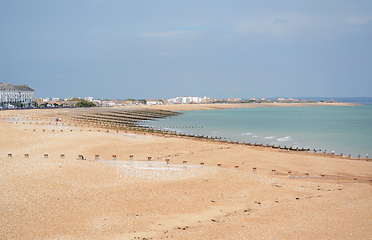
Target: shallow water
{"x":346,"y":130}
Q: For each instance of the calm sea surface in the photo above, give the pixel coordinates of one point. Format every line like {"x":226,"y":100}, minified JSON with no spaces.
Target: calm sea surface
{"x":346,"y":130}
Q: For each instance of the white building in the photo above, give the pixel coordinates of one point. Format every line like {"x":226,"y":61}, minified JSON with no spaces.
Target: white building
{"x":153,"y":102}
{"x":16,"y":96}
{"x":186,"y":100}
{"x":89,"y":98}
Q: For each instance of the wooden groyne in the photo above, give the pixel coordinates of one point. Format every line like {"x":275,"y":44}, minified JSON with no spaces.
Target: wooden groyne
{"x":121,"y":119}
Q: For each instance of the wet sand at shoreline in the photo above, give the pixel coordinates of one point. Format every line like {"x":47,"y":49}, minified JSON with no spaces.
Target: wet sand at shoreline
{"x":65,"y":198}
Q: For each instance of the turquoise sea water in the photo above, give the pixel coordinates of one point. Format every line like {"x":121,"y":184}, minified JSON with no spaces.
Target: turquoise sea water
{"x":346,"y":130}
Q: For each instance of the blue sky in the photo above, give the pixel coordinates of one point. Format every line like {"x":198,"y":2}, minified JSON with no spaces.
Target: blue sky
{"x":162,"y":49}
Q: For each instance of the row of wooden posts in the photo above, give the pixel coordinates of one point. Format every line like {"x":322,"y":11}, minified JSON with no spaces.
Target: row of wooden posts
{"x":96,"y":157}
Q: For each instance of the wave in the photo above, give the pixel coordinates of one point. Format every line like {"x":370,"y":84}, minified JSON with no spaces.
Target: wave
{"x":284,"y":139}
{"x":269,"y":137}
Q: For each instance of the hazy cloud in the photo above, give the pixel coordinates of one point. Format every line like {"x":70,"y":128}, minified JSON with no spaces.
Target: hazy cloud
{"x":276,"y":25}
{"x":358,"y":20}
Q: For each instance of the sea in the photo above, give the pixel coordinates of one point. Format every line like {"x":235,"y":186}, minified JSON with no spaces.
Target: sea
{"x":338,"y":129}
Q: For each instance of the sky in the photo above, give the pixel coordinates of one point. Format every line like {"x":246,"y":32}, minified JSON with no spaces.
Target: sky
{"x":161,"y":49}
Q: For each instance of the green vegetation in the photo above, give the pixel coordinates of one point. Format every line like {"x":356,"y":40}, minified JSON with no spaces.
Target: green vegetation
{"x":85,"y":103}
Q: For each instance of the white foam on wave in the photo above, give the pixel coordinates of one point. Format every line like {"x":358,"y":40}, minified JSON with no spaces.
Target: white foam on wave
{"x":284,"y":139}
{"x":269,"y":137}
{"x":246,"y":134}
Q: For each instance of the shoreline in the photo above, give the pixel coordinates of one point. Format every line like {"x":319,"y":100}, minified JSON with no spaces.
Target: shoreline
{"x":138,"y":129}
{"x":218,"y":106}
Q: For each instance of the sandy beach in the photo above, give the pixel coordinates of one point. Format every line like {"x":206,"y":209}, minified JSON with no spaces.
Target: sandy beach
{"x":216,"y":106}
{"x":48,"y":193}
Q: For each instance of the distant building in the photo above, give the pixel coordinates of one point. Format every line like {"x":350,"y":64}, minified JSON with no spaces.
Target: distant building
{"x":56,"y":99}
{"x":153,"y":102}
{"x":16,"y":96}
{"x":89,"y":98}
{"x":185,"y":100}
{"x":206,"y":100}
{"x":263,"y":99}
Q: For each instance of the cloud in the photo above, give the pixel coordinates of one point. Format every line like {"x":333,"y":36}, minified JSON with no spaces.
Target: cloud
{"x":276,"y":25}
{"x":175,"y":34}
{"x":358,"y":20}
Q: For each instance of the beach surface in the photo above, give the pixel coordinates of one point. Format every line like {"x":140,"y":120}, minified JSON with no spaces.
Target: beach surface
{"x":47,"y":192}
{"x":216,"y":106}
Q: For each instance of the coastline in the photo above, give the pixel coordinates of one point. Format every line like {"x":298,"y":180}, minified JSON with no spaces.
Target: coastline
{"x":216,"y":106}
{"x":55,"y":197}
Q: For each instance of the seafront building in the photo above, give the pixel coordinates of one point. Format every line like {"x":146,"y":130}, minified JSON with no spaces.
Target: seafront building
{"x":12,"y":96}
{"x":185,"y":100}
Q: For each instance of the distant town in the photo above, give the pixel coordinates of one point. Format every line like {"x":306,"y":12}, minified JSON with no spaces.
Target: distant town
{"x":22,"y":96}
